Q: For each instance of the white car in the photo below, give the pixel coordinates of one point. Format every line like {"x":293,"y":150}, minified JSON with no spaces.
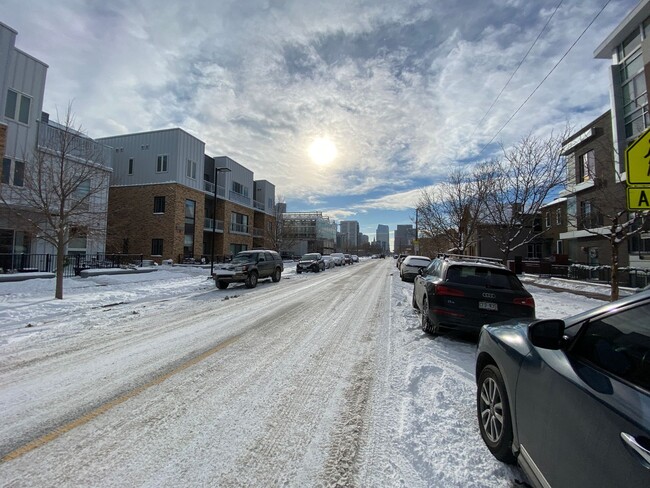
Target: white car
{"x":329,"y":262}
{"x":339,"y":258}
{"x":411,"y":267}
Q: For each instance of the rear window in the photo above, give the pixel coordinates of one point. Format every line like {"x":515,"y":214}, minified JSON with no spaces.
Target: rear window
{"x":487,"y":277}
{"x":418,"y":262}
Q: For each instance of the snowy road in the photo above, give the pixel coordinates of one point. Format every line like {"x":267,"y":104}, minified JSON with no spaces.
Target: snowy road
{"x":320,"y":380}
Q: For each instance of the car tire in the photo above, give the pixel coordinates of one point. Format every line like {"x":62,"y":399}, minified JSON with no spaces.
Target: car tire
{"x":493,"y":412}
{"x":222,"y":285}
{"x":298,"y":270}
{"x":251,"y":280}
{"x":427,"y":326}
{"x":277,"y":274}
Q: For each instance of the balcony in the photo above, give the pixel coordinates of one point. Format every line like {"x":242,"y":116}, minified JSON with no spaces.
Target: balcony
{"x":239,"y":229}
{"x":207,"y":225}
{"x":239,"y":198}
{"x":258,"y":206}
{"x":54,"y":137}
{"x":208,"y":187}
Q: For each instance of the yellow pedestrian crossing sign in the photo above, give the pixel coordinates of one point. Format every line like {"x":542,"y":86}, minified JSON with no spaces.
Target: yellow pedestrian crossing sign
{"x":637,"y":161}
{"x":638,"y":197}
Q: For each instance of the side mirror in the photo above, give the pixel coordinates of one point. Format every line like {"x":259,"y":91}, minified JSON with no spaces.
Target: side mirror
{"x":547,"y":334}
{"x":421,"y":271}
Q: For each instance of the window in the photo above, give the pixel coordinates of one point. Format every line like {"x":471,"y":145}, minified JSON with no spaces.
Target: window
{"x":558,"y":216}
{"x":547,"y":219}
{"x":18,"y":107}
{"x":130,"y":166}
{"x":534,"y":250}
{"x":188,"y":242}
{"x":559,"y":247}
{"x":156,"y":247}
{"x":159,"y":205}
{"x":239,"y":188}
{"x":191,"y":169}
{"x":238,"y":222}
{"x":588,"y":166}
{"x":6,"y":170}
{"x":82,"y":190}
{"x":235,"y":248}
{"x":19,"y":173}
{"x":619,"y":344}
{"x":161,"y":165}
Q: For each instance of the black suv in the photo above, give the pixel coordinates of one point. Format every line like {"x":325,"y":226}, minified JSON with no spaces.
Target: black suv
{"x":248,"y":267}
{"x":465,"y":292}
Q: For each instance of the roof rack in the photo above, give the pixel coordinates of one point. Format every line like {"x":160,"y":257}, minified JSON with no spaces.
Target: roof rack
{"x":472,"y":259}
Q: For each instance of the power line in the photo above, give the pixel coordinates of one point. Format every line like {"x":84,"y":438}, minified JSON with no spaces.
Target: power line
{"x":546,"y":77}
{"x":516,"y":69}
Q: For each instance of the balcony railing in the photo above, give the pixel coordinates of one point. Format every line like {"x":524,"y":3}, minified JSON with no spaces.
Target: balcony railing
{"x":239,"y":198}
{"x":207,"y":225}
{"x":239,"y":228}
{"x":259,"y":205}
{"x":76,"y":144}
{"x":208,"y":187}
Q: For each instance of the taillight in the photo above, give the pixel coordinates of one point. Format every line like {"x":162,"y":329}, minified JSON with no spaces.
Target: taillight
{"x":527,"y":301}
{"x":443,"y":290}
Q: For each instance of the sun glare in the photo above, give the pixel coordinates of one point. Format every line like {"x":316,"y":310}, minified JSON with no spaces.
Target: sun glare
{"x":322,"y":151}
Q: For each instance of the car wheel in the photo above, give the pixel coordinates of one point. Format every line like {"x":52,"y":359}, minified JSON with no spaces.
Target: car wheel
{"x":427,"y":326}
{"x":298,"y":270}
{"x":222,"y":285}
{"x":493,"y":412}
{"x":277,"y":274}
{"x":251,"y":280}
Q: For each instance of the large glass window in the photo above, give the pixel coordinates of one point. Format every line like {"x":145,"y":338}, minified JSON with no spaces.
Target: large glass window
{"x":238,"y":222}
{"x":156,"y":247}
{"x":161,"y":164}
{"x":18,"y":106}
{"x":19,"y":173}
{"x":158,"y":204}
{"x":588,"y":166}
{"x":6,"y":170}
{"x":239,"y":188}
{"x":130,"y":166}
{"x":190,"y":171}
{"x":188,"y":242}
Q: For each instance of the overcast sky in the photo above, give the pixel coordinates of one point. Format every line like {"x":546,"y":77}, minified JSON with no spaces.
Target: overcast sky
{"x":400,"y":88}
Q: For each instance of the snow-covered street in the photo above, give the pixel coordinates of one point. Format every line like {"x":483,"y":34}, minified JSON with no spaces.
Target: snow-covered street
{"x":161,"y":379}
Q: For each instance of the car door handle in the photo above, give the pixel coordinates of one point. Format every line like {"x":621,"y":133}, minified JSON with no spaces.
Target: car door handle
{"x":636,"y":447}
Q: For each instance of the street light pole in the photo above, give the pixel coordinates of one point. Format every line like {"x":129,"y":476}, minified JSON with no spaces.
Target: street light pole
{"x":214,"y":215}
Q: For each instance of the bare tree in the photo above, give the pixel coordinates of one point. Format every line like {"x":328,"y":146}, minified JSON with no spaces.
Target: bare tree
{"x":65,"y":182}
{"x":279,"y":235}
{"x":518,"y":185}
{"x":450,"y":211}
{"x":601,"y":209}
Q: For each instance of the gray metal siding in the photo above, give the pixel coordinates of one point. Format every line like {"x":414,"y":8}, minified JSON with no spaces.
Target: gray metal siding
{"x":145,"y":148}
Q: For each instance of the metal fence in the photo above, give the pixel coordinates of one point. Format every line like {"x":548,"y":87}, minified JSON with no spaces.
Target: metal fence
{"x":630,"y":277}
{"x":73,"y":263}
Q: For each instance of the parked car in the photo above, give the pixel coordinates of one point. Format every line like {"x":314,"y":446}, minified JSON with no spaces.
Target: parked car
{"x":400,"y":258}
{"x":411,"y":267}
{"x":355,"y":258}
{"x":465,"y":292}
{"x":248,"y":267}
{"x":312,"y":261}
{"x":329,"y":261}
{"x":348,"y":259}
{"x":569,"y":400}
{"x":339,"y":258}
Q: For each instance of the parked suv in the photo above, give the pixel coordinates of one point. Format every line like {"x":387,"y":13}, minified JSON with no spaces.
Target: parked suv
{"x":248,"y":267}
{"x":312,"y":261}
{"x":465,"y":292}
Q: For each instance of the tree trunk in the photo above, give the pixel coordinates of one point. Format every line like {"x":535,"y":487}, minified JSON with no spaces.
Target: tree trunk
{"x":60,"y":265}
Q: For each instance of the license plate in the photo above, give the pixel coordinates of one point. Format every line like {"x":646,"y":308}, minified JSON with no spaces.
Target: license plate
{"x":488,"y":306}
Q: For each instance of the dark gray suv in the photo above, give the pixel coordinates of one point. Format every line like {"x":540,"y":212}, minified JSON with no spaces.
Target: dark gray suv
{"x":248,"y":267}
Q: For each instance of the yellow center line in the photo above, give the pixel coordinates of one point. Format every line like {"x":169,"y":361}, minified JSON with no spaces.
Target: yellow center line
{"x":58,"y":432}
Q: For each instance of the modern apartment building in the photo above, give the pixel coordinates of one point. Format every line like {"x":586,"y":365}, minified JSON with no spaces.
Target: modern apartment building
{"x":168,"y":200}
{"x":31,"y":143}
{"x":382,"y":237}
{"x":628,"y":46}
{"x":22,"y":86}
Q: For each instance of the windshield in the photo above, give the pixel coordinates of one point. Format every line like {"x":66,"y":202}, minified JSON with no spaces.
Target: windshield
{"x":244,"y":258}
{"x":310,"y":257}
